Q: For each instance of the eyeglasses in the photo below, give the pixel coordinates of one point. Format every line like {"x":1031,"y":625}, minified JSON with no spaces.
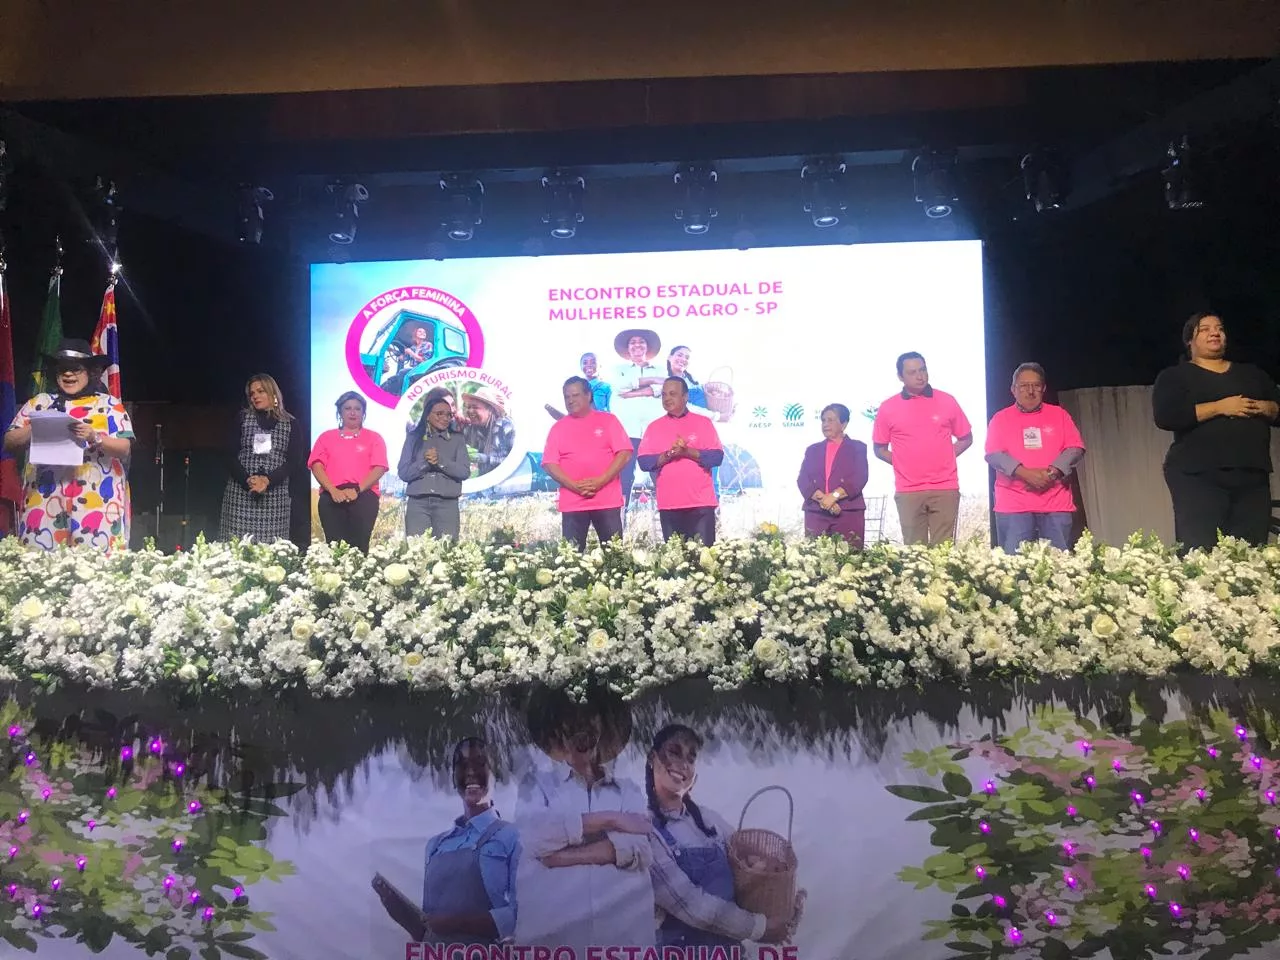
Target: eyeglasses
{"x":1030,"y":387}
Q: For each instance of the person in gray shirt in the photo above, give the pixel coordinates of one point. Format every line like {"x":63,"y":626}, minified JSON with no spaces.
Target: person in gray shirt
{"x":433,"y":463}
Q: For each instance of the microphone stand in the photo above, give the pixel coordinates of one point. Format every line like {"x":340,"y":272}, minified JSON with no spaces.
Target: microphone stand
{"x":160,"y":473}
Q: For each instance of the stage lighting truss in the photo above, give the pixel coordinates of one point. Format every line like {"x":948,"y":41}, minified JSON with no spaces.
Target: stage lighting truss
{"x":249,"y":218}
{"x":1045,"y":178}
{"x":563,"y":192}
{"x":823,"y":182}
{"x":934,"y":172}
{"x":1183,"y":189}
{"x":463,"y":197}
{"x":697,"y":204}
{"x":347,"y":198}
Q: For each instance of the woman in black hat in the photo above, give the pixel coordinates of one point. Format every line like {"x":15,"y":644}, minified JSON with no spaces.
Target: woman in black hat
{"x":83,"y":504}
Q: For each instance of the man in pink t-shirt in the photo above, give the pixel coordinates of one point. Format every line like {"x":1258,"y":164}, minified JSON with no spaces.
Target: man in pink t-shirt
{"x":680,"y":449}
{"x":1033,"y":446}
{"x":585,"y":452}
{"x":913,"y":433}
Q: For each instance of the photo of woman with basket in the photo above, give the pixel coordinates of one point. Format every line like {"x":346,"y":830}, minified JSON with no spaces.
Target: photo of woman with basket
{"x":762,"y":887}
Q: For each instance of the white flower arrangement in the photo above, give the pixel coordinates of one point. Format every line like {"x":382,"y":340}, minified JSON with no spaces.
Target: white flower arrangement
{"x":428,"y":614}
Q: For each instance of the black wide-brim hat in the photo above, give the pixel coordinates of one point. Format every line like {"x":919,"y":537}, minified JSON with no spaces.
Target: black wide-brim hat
{"x":73,"y":352}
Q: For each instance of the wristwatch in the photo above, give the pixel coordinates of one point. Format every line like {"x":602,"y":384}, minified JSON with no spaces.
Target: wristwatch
{"x":1054,"y":472}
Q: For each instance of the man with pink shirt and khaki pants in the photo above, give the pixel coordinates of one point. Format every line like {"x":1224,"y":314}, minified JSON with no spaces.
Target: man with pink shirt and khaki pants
{"x":1033,"y":446}
{"x":914,"y":433}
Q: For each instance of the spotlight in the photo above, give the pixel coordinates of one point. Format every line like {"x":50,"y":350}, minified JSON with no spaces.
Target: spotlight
{"x":347,"y":198}
{"x":1046,"y":180}
{"x":1183,"y":186}
{"x":249,"y":201}
{"x":563,"y":192}
{"x":463,"y":205}
{"x":934,"y":172}
{"x":823,"y":196}
{"x":697,"y":208}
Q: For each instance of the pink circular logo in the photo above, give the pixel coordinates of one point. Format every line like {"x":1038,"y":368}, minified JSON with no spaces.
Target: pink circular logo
{"x":401,"y":313}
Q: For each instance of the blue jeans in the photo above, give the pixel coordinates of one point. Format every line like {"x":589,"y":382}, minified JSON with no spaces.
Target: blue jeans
{"x":1015,"y":529}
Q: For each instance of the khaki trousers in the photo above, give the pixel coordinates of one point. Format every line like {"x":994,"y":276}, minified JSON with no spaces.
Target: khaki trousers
{"x":928,"y":516}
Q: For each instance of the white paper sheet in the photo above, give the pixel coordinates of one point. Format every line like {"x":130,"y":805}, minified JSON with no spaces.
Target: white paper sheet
{"x":52,"y":442}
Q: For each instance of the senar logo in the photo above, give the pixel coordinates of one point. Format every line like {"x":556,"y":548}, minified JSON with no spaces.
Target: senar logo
{"x":793,"y":415}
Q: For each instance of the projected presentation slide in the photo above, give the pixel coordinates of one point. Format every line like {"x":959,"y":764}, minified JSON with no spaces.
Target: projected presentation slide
{"x":764,"y":339}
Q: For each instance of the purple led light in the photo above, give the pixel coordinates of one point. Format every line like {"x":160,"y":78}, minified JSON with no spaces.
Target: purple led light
{"x":111,"y":793}
{"x":23,"y":815}
{"x":1278,"y":833}
{"x":195,"y":896}
{"x":1138,"y":798}
{"x":194,"y":807}
{"x":13,"y":890}
{"x":1175,"y":909}
{"x":1085,"y":747}
{"x":1194,"y":834}
{"x":1146,"y":853}
{"x":1015,"y":935}
{"x":1150,"y":891}
{"x":999,"y":901}
{"x":1068,"y":848}
{"x":1070,"y":880}
{"x":989,"y":787}
{"x":984,"y":827}
{"x":1117,"y":765}
{"x":55,"y":883}
{"x":30,"y":758}
{"x":36,"y":910}
{"x":207,"y":915}
{"x":1155,"y":827}
{"x":46,"y":793}
{"x":15,"y":731}
{"x":126,"y":753}
{"x":180,"y":769}
{"x":1051,"y":918}
{"x":91,"y":824}
{"x":239,"y":892}
{"x":1071,"y":811}
{"x":1242,"y":733}
{"x":156,"y":745}
{"x":1213,"y":753}
{"x":177,"y":845}
{"x":1184,"y":871}
{"x":13,"y":852}
{"x":1271,"y":796}
{"x":1089,"y":781}
{"x":1256,"y":761}
{"x":980,"y":872}
{"x":80,"y":863}
{"x":168,"y":881}
{"x":1200,"y":794}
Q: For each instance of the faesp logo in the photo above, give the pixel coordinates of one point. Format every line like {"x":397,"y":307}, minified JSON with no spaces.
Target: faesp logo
{"x":759,"y":418}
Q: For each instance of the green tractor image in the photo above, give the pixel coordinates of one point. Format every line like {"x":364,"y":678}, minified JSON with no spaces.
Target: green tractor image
{"x":410,"y":346}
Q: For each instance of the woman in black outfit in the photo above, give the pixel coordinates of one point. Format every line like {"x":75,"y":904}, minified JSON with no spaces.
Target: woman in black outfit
{"x":1220,"y":412}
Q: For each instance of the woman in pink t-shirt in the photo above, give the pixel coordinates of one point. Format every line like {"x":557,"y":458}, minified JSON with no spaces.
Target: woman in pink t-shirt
{"x":347,"y":463}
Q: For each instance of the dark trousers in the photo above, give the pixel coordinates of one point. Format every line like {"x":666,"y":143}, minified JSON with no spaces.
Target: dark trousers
{"x":692,"y":523}
{"x":350,"y":522}
{"x":575,"y":525}
{"x":628,"y":475}
{"x":849,"y":524}
{"x":1237,"y":502}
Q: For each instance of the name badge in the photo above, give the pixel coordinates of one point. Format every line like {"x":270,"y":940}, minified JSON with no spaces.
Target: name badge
{"x":1031,"y":438}
{"x":262,"y":443}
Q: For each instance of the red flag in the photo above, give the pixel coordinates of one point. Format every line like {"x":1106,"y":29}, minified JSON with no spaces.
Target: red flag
{"x":10,"y":481}
{"x":106,"y":340}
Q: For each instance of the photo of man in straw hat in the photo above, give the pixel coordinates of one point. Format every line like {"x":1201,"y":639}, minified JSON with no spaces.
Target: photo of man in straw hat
{"x":637,"y":390}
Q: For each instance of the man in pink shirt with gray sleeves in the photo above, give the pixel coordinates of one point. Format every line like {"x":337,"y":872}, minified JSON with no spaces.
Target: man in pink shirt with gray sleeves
{"x":914,"y":433}
{"x":680,"y":449}
{"x":1033,"y":446}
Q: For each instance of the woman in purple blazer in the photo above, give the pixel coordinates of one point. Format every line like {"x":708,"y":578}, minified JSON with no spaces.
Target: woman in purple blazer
{"x":831,"y":480}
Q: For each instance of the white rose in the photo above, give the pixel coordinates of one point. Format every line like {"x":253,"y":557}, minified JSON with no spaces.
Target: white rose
{"x":1183,"y":635}
{"x":71,"y":627}
{"x":1168,"y":589}
{"x":848,"y":599}
{"x":707,"y":559}
{"x":766,"y":650}
{"x":412,"y":660}
{"x":397,"y":574}
{"x":1271,"y":554}
{"x":640,"y":557}
{"x":1103,"y":627}
{"x":600,"y":593}
{"x":303,"y":630}
{"x":543,"y":577}
{"x":85,"y":573}
{"x":314,"y":667}
{"x":361,"y":630}
{"x":510,"y":567}
{"x":847,"y":572}
{"x":273,"y":574}
{"x":330,"y":582}
{"x":598,"y":640}
{"x":222,"y":623}
{"x":218,"y":585}
{"x":933,"y":604}
{"x":1007,"y":586}
{"x":188,"y":672}
{"x":134,"y":606}
{"x":31,"y":607}
{"x":440,"y":570}
{"x":1223,"y":591}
